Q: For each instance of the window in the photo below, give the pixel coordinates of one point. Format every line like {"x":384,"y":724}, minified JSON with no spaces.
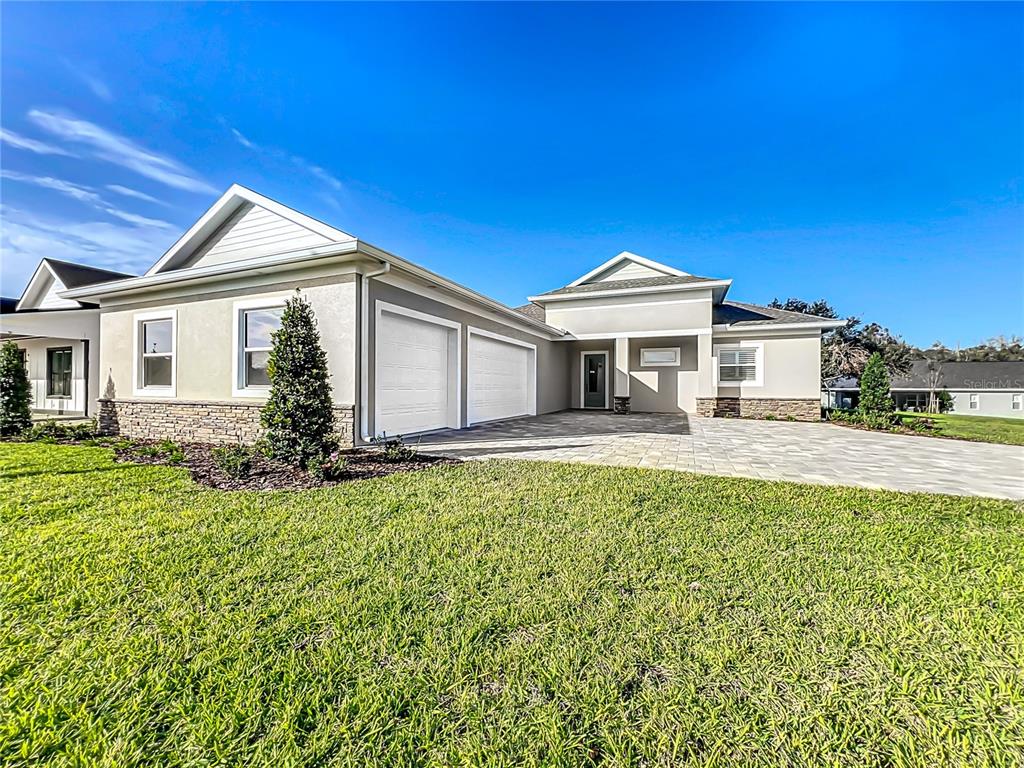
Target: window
{"x":1015,"y":402}
{"x":974,"y":402}
{"x":155,"y":360}
{"x":737,"y":364}
{"x":58,"y":372}
{"x":256,"y":327}
{"x":655,"y":356}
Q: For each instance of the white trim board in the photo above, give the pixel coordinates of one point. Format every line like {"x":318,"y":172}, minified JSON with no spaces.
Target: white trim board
{"x":638,"y":334}
{"x":583,"y":380}
{"x":629,"y":291}
{"x":592,"y":307}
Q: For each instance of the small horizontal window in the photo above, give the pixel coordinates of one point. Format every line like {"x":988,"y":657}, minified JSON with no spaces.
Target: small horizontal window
{"x":654,"y":356}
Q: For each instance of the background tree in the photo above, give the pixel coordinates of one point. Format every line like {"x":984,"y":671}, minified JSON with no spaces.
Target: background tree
{"x":15,"y":393}
{"x":298,"y":417}
{"x":874,"y":388}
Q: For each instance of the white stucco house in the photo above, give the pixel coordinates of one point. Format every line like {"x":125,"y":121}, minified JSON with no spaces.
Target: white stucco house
{"x":180,"y":352}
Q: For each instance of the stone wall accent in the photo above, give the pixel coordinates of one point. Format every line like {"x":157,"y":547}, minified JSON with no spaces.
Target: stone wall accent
{"x":621,"y":404}
{"x":197,"y":421}
{"x":800,"y":409}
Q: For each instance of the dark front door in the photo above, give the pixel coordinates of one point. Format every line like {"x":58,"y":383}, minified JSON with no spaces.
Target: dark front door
{"x":594,"y":380}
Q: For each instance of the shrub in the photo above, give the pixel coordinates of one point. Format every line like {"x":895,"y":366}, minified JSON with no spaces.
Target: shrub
{"x":234,"y":460}
{"x":874,"y":388}
{"x":393,"y":448}
{"x":298,"y":417}
{"x":15,"y":394}
{"x":51,"y":431}
{"x":331,"y":467}
{"x":945,"y":401}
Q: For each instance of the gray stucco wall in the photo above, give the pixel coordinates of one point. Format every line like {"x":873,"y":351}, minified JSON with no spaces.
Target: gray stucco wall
{"x":664,"y":389}
{"x":552,"y":356}
{"x":593,"y":345}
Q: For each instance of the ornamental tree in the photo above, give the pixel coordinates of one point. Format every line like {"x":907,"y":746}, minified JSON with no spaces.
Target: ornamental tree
{"x":874,"y":388}
{"x":298,"y":417}
{"x":15,"y":394}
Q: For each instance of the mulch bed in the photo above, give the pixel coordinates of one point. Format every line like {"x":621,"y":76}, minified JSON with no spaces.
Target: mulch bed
{"x":269,"y":475}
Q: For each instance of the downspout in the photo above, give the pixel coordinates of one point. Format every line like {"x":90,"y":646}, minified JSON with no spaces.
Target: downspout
{"x":364,"y":360}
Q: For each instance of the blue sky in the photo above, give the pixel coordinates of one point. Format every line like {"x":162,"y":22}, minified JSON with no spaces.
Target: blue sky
{"x":868,"y":154}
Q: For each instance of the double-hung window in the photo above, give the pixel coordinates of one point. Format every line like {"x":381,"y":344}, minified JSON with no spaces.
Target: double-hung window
{"x":974,"y":402}
{"x":58,"y":372}
{"x":254,"y":325}
{"x":1016,"y":401}
{"x":738,"y":364}
{"x":155,"y":350}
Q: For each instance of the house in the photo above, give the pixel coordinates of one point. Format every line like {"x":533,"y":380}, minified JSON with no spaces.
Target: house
{"x":58,"y":337}
{"x":992,"y":388}
{"x":183,"y":348}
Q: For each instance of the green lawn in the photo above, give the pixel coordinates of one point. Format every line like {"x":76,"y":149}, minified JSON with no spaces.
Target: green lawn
{"x":986,"y":429}
{"x":501,"y":613}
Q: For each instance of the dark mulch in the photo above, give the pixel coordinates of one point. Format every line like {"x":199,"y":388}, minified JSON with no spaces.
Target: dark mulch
{"x":267,"y":474}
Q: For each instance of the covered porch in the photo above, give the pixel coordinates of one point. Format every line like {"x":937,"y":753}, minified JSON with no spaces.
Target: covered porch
{"x":642,"y":374}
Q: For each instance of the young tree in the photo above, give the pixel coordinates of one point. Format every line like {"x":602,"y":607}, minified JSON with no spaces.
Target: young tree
{"x":15,"y":394}
{"x":874,"y":388}
{"x":298,"y":417}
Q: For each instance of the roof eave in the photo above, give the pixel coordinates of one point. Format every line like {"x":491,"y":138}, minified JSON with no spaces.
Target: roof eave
{"x":712,"y":284}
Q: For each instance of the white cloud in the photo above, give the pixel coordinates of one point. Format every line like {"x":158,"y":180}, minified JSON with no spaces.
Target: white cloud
{"x":85,"y":195}
{"x":25,"y":238}
{"x":122,"y":151}
{"x":99,"y":88}
{"x":129,"y":192}
{"x":312,"y":169}
{"x":23,"y":142}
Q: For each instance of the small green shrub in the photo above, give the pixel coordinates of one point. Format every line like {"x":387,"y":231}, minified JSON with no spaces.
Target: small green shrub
{"x":874,"y":388}
{"x":945,"y":401}
{"x":332,"y":467}
{"x":394,"y":448}
{"x":770,"y":417}
{"x":52,"y":431}
{"x":234,"y":460}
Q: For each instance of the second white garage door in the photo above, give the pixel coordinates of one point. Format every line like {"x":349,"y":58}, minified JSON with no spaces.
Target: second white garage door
{"x":417,"y":363}
{"x":501,"y":379}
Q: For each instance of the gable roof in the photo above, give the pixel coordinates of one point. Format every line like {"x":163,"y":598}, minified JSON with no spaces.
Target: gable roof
{"x":52,"y":276}
{"x":993,"y":374}
{"x":626,"y":256}
{"x":736,"y":314}
{"x":77,"y":275}
{"x":637,"y":282}
{"x":233,"y":204}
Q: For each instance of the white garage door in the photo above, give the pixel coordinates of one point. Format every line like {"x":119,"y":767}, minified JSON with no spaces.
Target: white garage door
{"x":415,"y":364}
{"x":500,"y":379}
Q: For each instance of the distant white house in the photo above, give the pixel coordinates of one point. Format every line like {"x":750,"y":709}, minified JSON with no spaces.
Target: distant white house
{"x":977,"y":389}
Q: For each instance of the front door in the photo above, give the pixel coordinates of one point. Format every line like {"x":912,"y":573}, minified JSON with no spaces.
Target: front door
{"x":594,"y":380}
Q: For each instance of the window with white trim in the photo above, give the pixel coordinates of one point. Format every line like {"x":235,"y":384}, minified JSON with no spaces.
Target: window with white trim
{"x":655,"y":356}
{"x":255,"y":328}
{"x":1016,"y":402}
{"x":737,"y":364}
{"x":974,"y":402}
{"x":156,"y":369}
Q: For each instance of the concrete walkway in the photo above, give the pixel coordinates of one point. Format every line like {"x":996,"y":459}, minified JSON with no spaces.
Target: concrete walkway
{"x":771,"y":450}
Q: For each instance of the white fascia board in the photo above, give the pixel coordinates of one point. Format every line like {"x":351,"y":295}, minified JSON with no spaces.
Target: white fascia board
{"x":610,"y":335}
{"x":223,"y":209}
{"x":627,"y":256}
{"x":276,"y":262}
{"x":41,"y":268}
{"x":630,"y":291}
{"x":762,"y":327}
{"x":432,"y":277}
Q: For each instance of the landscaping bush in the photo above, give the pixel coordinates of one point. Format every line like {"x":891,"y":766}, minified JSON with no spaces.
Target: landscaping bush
{"x":298,"y":417}
{"x":874,"y":388}
{"x":394,"y":448}
{"x":945,"y":401}
{"x":234,"y":460}
{"x":51,"y":431}
{"x":331,"y":467}
{"x":15,"y":395}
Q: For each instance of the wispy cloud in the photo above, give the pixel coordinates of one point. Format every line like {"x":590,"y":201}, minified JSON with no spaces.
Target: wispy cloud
{"x":134,"y":193}
{"x":95,"y":84}
{"x":122,"y":151}
{"x":25,"y":236}
{"x":85,"y":195}
{"x":32,"y":145}
{"x":314,"y":170}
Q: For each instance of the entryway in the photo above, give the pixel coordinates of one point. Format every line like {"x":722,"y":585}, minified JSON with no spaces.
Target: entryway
{"x":594,"y":384}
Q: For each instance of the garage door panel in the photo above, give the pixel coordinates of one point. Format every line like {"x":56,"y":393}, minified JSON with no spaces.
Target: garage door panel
{"x":414,"y":368}
{"x":500,"y":379}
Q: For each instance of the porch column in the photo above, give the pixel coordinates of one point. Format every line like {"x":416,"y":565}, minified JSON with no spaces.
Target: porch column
{"x":620,"y":391}
{"x":706,"y":392}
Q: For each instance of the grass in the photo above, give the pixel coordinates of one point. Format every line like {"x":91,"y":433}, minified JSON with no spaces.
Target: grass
{"x":986,"y":429}
{"x":501,"y":613}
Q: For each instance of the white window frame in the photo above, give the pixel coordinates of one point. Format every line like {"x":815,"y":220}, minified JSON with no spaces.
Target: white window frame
{"x":137,"y":353}
{"x":238,"y":387}
{"x":758,"y":380}
{"x":1016,"y":401}
{"x":662,"y":364}
{"x":973,"y":401}
{"x":531,"y":372}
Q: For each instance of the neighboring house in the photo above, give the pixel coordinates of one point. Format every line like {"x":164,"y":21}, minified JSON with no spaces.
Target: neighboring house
{"x":977,"y":389}
{"x":58,"y":337}
{"x":183,"y":348}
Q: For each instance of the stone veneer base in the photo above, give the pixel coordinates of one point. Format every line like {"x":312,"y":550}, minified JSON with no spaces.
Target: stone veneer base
{"x":800,"y":409}
{"x":197,"y":421}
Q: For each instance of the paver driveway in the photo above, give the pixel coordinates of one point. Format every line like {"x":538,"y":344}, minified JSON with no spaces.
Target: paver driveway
{"x":772,"y":450}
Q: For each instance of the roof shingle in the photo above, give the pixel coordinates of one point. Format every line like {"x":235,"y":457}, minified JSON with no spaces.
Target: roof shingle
{"x":637,"y":282}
